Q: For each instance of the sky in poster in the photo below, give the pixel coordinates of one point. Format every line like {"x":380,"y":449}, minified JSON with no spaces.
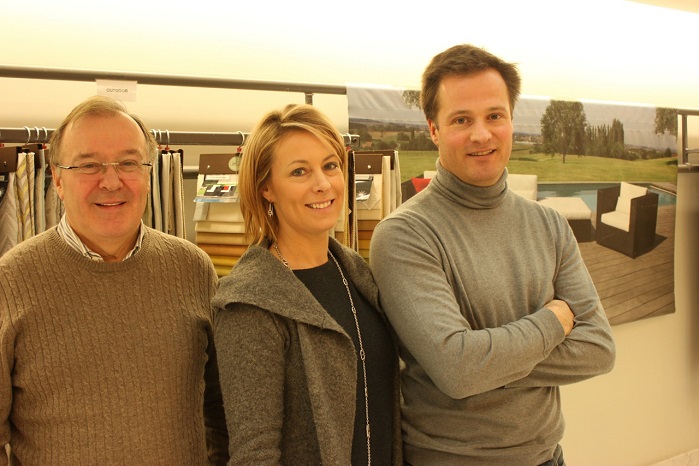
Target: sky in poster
{"x":386,"y":104}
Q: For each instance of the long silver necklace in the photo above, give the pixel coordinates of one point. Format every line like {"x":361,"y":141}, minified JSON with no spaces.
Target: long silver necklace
{"x":362,"y":354}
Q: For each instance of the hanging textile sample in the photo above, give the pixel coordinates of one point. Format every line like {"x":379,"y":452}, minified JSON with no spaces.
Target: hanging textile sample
{"x":165,"y":208}
{"x":153,"y":215}
{"x":166,"y":191}
{"x":22,"y":194}
{"x":53,"y":205}
{"x":377,"y":192}
{"x":178,"y":194}
{"x":10,"y":233}
{"x":40,"y":192}
{"x":24,"y":184}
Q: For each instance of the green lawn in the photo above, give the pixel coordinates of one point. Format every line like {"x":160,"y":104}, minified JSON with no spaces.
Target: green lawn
{"x":413,"y":163}
{"x":587,"y":168}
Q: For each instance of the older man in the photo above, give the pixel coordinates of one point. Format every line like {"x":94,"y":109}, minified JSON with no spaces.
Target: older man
{"x":106,"y":349}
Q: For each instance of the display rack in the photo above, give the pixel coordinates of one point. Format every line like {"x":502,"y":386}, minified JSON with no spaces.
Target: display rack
{"x":42,"y":135}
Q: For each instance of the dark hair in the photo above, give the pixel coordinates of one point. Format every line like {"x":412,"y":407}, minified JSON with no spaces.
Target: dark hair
{"x":462,"y":60}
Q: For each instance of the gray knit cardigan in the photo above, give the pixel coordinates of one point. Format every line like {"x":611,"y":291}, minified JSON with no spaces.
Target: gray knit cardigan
{"x":288,"y":370}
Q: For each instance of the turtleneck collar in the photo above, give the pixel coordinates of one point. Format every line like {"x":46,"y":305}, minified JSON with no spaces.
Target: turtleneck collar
{"x":468,"y":195}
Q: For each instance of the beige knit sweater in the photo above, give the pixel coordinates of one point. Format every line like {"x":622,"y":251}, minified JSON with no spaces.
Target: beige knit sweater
{"x":109,"y":363}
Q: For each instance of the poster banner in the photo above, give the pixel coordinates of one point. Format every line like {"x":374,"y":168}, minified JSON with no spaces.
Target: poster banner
{"x":590,"y":159}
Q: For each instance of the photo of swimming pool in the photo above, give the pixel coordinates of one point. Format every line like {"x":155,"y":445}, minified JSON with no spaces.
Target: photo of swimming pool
{"x":588,"y":192}
{"x":630,"y":288}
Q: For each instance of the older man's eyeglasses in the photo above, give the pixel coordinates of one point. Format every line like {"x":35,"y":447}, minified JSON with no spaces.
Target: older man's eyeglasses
{"x":123,"y":168}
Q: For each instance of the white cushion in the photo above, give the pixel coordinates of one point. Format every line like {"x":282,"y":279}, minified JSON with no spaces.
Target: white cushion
{"x":627,"y":192}
{"x":524,"y":185}
{"x":616,"y":219}
{"x":572,"y":208}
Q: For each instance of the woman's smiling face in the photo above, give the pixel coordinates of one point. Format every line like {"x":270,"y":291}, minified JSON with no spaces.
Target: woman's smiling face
{"x":306,"y":185}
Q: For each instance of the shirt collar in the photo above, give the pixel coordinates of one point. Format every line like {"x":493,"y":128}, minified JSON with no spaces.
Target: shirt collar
{"x":74,"y":241}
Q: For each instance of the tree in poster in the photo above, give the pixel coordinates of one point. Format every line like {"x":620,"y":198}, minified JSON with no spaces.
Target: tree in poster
{"x":606,"y":140}
{"x":666,"y":121}
{"x":563,"y":128}
{"x":411,"y":98}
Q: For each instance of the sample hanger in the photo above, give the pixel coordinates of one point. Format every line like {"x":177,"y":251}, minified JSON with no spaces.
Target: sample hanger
{"x":8,"y":159}
{"x":8,"y":156}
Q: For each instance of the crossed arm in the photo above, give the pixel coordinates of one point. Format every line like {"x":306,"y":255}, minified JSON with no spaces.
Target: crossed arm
{"x":453,"y":337}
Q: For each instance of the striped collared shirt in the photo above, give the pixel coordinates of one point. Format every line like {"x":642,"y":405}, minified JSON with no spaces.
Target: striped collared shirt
{"x":74,"y":241}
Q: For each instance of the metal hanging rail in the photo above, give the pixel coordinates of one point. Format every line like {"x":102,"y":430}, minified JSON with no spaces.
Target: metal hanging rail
{"x":31,"y":135}
{"x":63,"y":74}
{"x":35,"y":134}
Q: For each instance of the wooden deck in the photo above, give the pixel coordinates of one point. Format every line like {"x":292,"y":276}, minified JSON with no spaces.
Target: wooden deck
{"x":632,"y":289}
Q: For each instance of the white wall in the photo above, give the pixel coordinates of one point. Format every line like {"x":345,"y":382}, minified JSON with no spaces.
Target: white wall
{"x":647,"y":409}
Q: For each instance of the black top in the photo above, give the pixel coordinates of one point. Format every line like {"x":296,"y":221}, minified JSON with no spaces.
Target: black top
{"x":325,"y":283}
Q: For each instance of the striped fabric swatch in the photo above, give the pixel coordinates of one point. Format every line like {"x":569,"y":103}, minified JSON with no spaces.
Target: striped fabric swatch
{"x":23,"y":200}
{"x":10,"y":233}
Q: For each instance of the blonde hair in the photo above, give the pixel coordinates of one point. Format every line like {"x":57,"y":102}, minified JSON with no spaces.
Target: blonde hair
{"x":258,"y":156}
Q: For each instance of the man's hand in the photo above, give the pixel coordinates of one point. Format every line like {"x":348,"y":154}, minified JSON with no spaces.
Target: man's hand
{"x":563,"y":313}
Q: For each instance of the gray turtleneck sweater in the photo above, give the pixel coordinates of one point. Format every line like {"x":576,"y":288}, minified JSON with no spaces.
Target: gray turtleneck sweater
{"x":464,"y":273}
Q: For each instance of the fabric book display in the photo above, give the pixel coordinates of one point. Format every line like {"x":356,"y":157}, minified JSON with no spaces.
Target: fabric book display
{"x":219,"y":226}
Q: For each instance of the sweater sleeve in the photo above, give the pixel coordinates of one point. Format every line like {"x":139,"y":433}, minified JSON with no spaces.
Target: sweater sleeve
{"x":589,"y":349}
{"x":419,"y":300}
{"x":214,"y":417}
{"x":6,"y":365}
{"x":251,"y":347}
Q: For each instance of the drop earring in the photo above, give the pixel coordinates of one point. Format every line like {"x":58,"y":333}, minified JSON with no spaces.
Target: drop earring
{"x":270,"y":212}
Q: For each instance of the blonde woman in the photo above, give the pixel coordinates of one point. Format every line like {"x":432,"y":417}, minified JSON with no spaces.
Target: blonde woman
{"x":309,"y":372}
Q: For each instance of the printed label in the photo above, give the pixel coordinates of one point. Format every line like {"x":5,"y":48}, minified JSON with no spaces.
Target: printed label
{"x":122,"y":90}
